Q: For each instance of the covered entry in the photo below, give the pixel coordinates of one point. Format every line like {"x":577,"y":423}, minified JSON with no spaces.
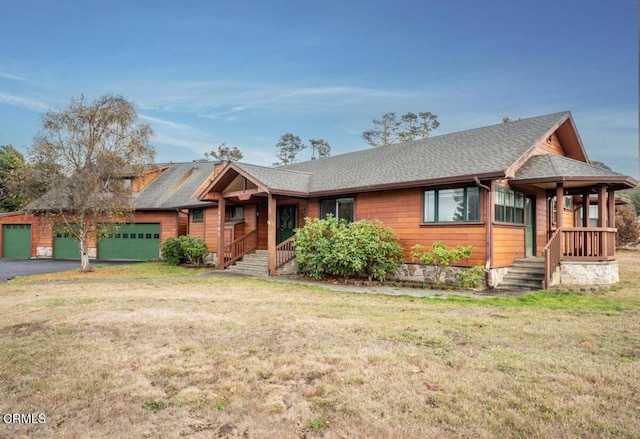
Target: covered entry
{"x":16,"y":241}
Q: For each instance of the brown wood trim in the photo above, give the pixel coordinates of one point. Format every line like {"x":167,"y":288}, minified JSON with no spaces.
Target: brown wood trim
{"x":453,"y":224}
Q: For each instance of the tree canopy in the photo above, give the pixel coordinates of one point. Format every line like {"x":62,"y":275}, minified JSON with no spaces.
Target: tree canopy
{"x":411,"y":126}
{"x":11,"y":162}
{"x":290,"y":145}
{"x":225,"y":153}
{"x":89,"y":151}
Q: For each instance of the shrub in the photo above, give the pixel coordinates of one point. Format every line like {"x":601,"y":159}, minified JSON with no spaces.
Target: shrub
{"x":439,"y":256}
{"x":331,"y":247}
{"x":628,"y":227}
{"x":172,"y":251}
{"x":194,"y":249}
{"x":188,"y":248}
{"x":471,"y":277}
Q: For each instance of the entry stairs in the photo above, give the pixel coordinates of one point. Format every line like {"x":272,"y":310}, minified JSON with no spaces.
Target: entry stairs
{"x":526,"y":274}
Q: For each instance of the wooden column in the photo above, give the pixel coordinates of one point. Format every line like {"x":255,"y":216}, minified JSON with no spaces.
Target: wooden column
{"x":602,"y":206}
{"x":585,"y":209}
{"x":559,"y":206}
{"x":221,"y":216}
{"x":271,"y":235}
{"x":611,"y":201}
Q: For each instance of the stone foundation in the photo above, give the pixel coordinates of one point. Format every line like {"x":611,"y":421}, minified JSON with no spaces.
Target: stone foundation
{"x":495,"y":276}
{"x":586,"y":274}
{"x":427,"y":274}
{"x":47,"y":252}
{"x":44,"y":252}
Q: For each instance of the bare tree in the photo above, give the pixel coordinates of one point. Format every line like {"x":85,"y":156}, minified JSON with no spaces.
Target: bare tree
{"x":89,"y":152}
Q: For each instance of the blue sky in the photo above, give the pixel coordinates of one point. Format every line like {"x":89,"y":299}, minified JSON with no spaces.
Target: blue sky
{"x":203,"y":72}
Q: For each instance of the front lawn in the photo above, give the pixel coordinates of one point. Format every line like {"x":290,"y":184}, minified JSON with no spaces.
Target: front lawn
{"x":233,"y":357}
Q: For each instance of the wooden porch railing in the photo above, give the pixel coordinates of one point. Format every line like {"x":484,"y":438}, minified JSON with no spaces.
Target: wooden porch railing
{"x":552,"y":255}
{"x":240,"y":247}
{"x":578,"y":244}
{"x":285,"y":252}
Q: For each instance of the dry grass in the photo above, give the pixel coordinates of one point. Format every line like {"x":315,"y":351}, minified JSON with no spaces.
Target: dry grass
{"x":218,"y":357}
{"x":147,"y":270}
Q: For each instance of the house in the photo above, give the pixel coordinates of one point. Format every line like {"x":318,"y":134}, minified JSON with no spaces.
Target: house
{"x":165,"y":204}
{"x":514,"y":191}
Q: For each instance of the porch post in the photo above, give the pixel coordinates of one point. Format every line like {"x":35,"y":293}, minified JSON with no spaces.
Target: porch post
{"x":602,"y":207}
{"x":611,"y":199}
{"x":221,"y":215}
{"x":271,"y":235}
{"x":585,"y":209}
{"x":559,"y":206}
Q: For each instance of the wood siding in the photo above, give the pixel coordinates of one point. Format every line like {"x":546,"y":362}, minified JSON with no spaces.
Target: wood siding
{"x":402,"y":211}
{"x":508,"y":244}
{"x":552,"y":146}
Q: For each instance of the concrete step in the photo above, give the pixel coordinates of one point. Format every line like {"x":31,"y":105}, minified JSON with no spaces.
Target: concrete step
{"x":525,"y":274}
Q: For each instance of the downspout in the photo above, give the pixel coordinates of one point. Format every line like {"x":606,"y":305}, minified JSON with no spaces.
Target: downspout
{"x":489,"y":227}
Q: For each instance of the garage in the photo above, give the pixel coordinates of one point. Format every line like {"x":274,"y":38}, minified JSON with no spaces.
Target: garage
{"x":65,"y":246}
{"x":16,"y":241}
{"x":132,"y":242}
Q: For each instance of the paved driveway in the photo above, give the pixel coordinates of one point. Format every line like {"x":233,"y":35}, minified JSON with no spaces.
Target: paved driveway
{"x":10,"y":268}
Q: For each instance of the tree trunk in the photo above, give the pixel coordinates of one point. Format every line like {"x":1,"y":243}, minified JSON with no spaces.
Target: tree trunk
{"x":84,"y":254}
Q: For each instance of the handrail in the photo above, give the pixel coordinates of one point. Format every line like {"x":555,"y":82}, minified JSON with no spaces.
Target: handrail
{"x":578,"y":244}
{"x":240,"y":247}
{"x":285,"y":252}
{"x":552,"y":255}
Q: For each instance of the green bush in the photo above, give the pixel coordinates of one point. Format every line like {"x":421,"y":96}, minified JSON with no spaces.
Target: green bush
{"x":332,"y":247}
{"x":471,"y":277}
{"x":188,"y":248}
{"x":172,"y":251}
{"x":439,"y":256}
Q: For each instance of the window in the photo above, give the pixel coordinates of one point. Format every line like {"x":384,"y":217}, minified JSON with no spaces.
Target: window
{"x":235,"y":212}
{"x":127,"y":183}
{"x":341,"y":208}
{"x":568,"y":202}
{"x":509,"y":206}
{"x":197,"y":215}
{"x":451,"y":205}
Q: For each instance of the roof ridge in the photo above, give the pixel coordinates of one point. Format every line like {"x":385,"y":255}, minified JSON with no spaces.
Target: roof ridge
{"x":279,"y":168}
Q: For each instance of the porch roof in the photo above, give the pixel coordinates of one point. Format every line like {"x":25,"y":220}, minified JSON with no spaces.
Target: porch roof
{"x":549,"y":169}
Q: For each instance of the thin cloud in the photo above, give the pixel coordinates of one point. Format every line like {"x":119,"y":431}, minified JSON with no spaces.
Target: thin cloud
{"x":19,"y":101}
{"x":13,"y":77}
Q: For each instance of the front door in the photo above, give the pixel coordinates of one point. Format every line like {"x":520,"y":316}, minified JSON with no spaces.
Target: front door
{"x":286,"y":222}
{"x":530,"y":221}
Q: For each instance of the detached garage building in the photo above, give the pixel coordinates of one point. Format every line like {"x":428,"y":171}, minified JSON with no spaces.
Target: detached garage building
{"x":162,"y":199}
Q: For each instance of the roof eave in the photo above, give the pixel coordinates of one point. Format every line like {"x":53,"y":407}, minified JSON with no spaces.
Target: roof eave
{"x":412,"y":184}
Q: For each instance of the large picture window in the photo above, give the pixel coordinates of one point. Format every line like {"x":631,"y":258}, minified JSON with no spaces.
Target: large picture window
{"x":452,"y":205}
{"x":509,"y":206}
{"x":341,"y":208}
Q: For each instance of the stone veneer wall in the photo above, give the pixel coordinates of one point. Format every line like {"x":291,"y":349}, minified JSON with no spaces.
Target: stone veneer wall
{"x":47,"y":252}
{"x":426,"y":273}
{"x":586,"y":274}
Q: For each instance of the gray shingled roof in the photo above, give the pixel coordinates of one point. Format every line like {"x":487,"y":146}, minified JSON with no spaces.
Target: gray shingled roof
{"x":486,"y":150}
{"x":175,"y":187}
{"x":278,"y":178}
{"x":551,"y":165}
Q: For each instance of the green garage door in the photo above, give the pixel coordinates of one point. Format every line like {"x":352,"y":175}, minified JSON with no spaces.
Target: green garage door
{"x":16,"y":241}
{"x":134,"y":242}
{"x":65,"y":246}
